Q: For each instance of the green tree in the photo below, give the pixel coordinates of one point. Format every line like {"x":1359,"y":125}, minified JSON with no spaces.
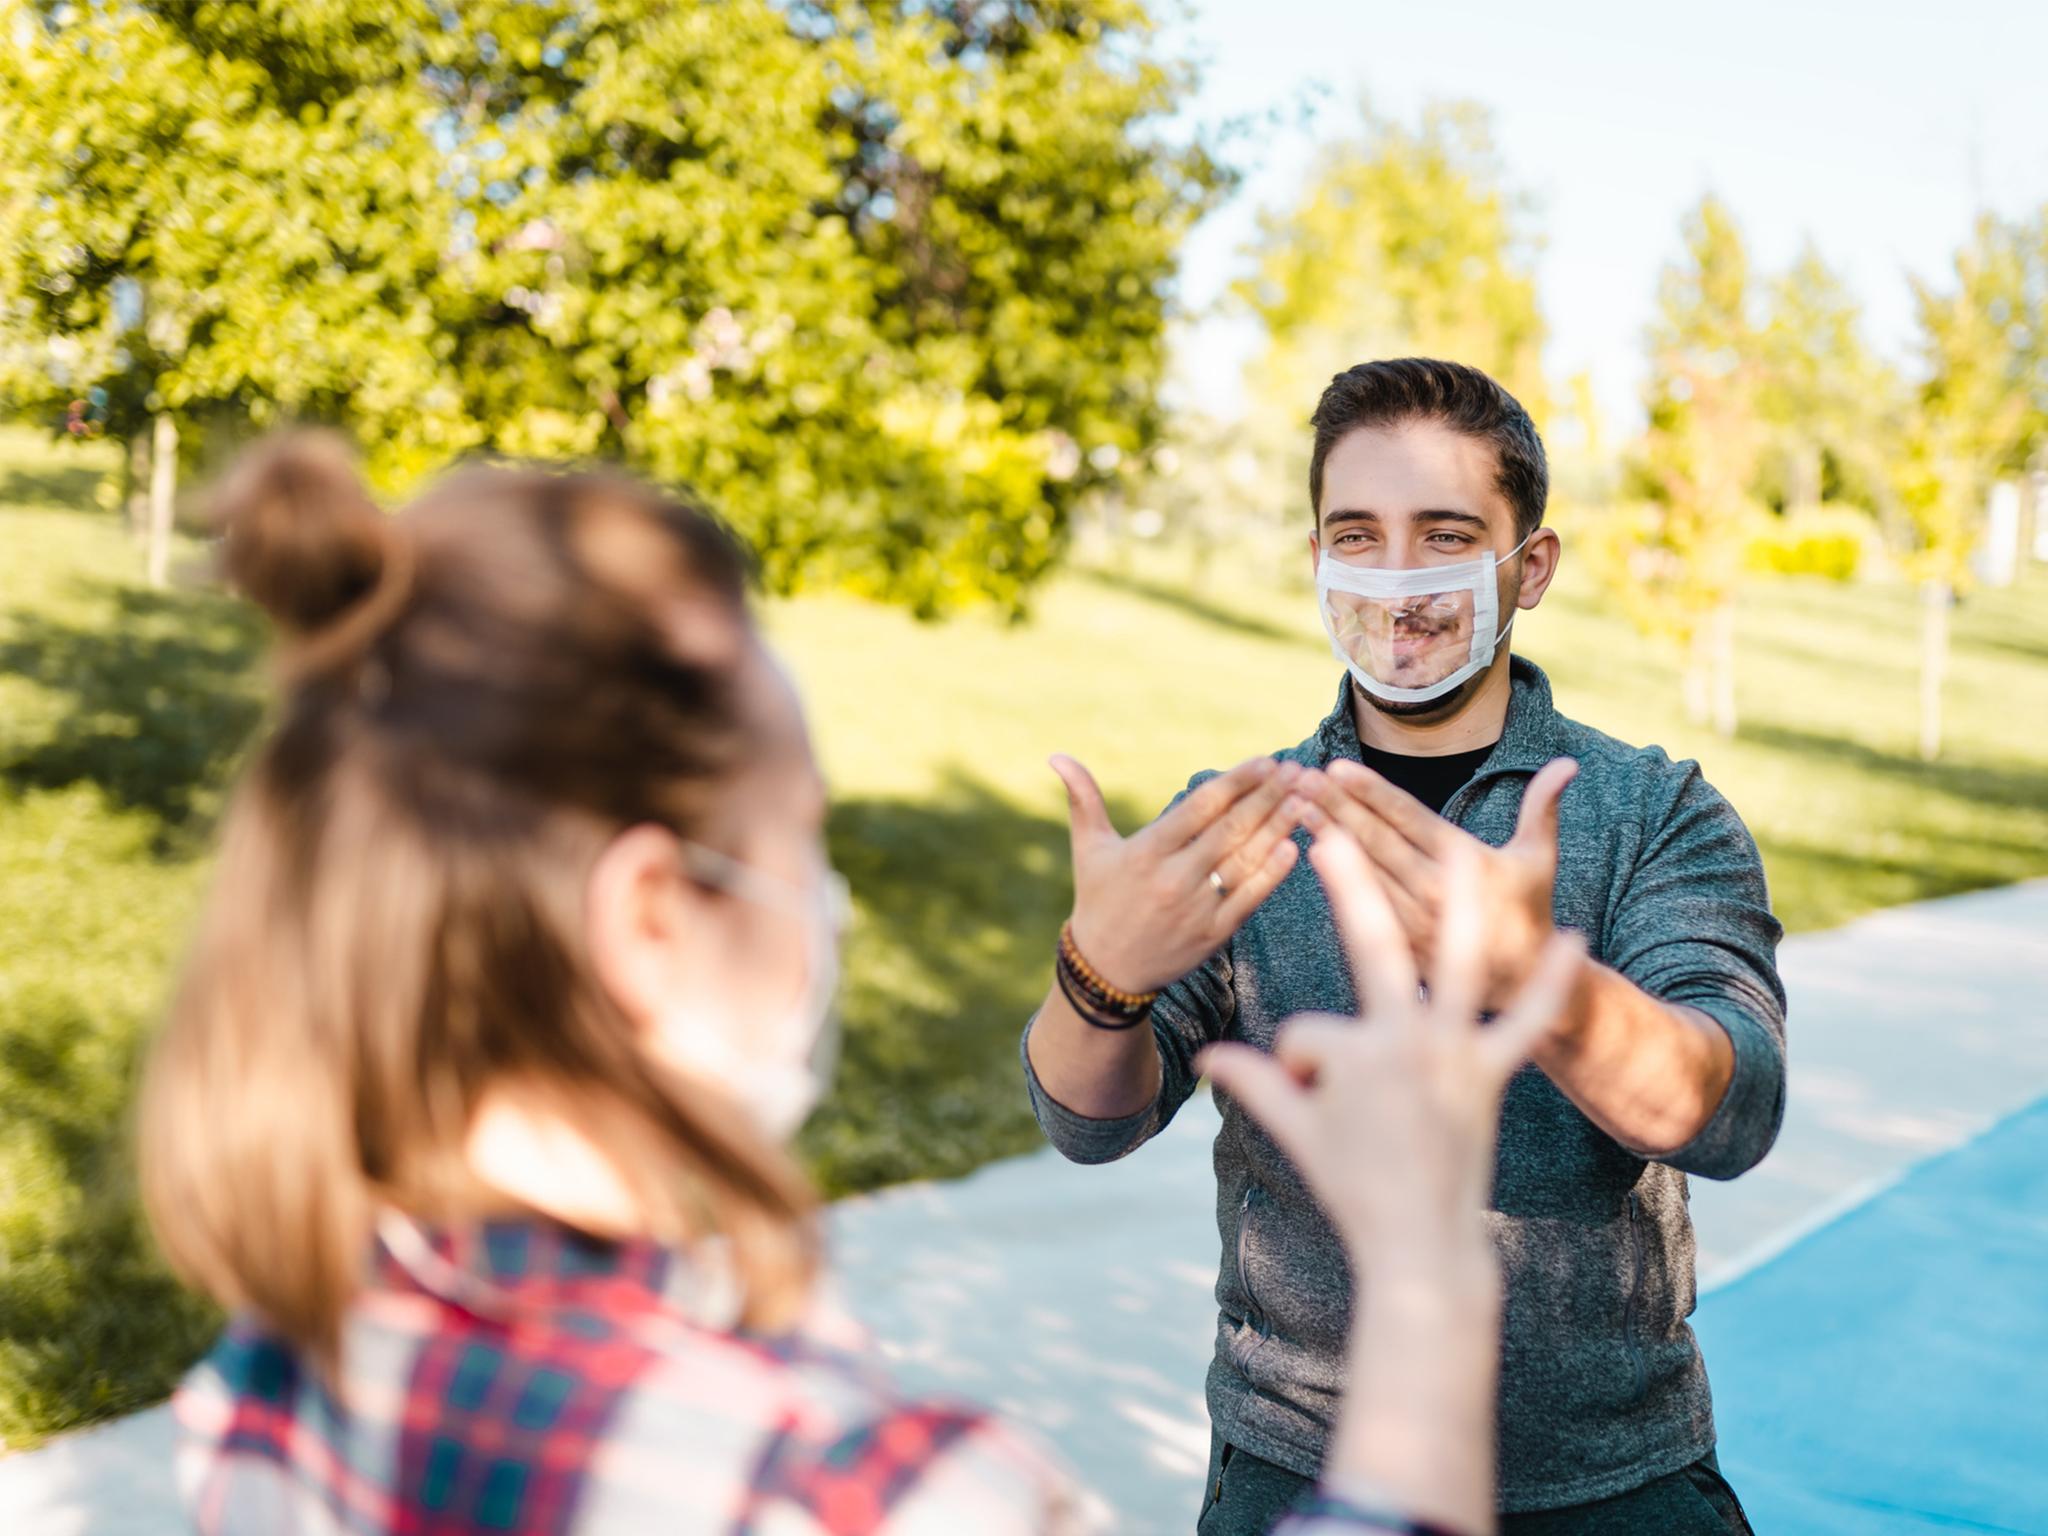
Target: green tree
{"x":1404,"y":241}
{"x":879,"y":313}
{"x":220,"y":216}
{"x":1830,"y":405}
{"x":1674,"y":553}
{"x":1977,"y":415}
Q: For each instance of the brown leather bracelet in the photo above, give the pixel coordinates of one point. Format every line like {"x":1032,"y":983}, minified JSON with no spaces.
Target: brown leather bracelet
{"x":1087,"y":1008}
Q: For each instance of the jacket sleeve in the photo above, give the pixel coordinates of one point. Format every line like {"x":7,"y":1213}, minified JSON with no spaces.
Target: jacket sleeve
{"x":1193,"y":1012}
{"x":1693,"y":925}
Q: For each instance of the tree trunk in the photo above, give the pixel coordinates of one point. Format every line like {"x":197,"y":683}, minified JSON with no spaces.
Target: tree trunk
{"x":1721,"y":635}
{"x":163,"y":490}
{"x":1934,"y":598}
{"x":1696,"y":681}
{"x":138,"y":486}
{"x":1806,"y":477}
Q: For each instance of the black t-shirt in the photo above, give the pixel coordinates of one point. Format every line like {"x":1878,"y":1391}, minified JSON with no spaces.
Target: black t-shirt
{"x":1432,"y":780}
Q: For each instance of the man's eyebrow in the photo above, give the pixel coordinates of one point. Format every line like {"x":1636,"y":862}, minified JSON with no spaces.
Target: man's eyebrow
{"x":1428,"y":515}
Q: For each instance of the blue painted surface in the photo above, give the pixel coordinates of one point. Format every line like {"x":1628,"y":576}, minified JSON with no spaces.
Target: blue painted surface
{"x":1888,"y":1375}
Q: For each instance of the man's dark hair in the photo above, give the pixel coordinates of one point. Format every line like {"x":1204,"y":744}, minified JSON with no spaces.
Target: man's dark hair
{"x":1403,"y":389}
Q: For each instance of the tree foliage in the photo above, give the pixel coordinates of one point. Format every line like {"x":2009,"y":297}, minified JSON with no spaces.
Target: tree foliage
{"x":1828,"y":403}
{"x":1982,"y":402}
{"x":1404,"y":241}
{"x":1694,"y":468}
{"x":837,"y":265}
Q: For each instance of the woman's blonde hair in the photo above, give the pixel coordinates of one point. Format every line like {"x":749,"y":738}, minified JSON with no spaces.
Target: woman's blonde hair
{"x":478,"y":694}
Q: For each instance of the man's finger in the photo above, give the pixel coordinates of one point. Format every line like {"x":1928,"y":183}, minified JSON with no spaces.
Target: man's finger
{"x":1243,"y":898}
{"x":1086,"y":813}
{"x":1268,"y":1093}
{"x":1539,"y":1008}
{"x":1182,"y":823}
{"x":1381,"y":962}
{"x":1244,"y":821}
{"x":1393,"y":854}
{"x":1399,"y":809}
{"x":1536,"y":825}
{"x":1239,"y":860}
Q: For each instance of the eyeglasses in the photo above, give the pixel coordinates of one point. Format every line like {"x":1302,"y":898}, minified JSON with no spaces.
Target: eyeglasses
{"x":723,"y":872}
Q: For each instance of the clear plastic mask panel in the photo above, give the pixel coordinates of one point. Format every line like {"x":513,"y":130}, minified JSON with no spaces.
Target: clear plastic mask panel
{"x":1415,"y":640}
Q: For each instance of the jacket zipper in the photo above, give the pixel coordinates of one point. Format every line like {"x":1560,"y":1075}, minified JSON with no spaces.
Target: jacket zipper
{"x":1637,"y":1361}
{"x":1252,"y":1317}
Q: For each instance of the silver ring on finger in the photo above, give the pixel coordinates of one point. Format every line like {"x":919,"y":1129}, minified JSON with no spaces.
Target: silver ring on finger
{"x":1216,"y":883}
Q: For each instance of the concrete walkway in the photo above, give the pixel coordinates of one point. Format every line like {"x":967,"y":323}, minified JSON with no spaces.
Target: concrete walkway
{"x":1077,"y":1300}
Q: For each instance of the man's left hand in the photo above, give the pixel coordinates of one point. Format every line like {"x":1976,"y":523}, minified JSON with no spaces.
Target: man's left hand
{"x":1409,"y":845}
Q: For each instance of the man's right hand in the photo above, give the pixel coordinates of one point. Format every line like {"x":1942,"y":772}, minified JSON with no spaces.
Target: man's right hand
{"x":1146,"y":911}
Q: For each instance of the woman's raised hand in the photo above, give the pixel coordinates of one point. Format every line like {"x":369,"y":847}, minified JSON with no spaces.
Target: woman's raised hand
{"x":1392,"y":1117}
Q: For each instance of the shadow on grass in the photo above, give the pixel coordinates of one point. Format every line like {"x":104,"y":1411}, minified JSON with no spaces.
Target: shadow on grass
{"x":1198,"y":608}
{"x":91,"y":1324}
{"x":69,"y":487}
{"x":2025,"y":649}
{"x":960,"y":897}
{"x":2013,"y":789}
{"x":1814,"y":886}
{"x":159,"y":692}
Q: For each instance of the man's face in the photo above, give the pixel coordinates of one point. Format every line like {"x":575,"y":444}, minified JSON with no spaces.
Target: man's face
{"x":1406,"y":498}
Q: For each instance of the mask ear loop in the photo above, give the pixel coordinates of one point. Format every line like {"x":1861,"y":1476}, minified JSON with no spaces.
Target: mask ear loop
{"x":1493,"y":595}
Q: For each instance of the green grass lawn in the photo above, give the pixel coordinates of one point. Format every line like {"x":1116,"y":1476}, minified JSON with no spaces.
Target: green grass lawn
{"x":121,"y":712}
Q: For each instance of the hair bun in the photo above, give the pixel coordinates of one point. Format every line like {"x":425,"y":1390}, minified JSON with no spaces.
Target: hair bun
{"x":301,"y":535}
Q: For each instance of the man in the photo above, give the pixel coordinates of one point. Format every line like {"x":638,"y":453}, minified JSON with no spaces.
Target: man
{"x":1428,"y":484}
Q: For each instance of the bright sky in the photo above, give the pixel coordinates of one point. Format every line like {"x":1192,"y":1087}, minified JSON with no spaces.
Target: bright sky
{"x":1875,"y":128}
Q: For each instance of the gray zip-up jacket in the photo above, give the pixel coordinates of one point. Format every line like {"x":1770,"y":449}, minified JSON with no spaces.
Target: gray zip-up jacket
{"x":1602,"y":1386}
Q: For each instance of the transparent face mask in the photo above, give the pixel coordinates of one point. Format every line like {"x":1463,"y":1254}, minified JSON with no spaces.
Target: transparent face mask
{"x":1413,"y":641}
{"x":1413,"y":634}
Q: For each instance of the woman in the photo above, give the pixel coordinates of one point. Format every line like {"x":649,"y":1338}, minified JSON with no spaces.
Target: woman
{"x":474,"y":1102}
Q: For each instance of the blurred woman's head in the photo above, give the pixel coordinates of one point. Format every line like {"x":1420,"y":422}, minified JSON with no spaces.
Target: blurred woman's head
{"x":521,"y":903}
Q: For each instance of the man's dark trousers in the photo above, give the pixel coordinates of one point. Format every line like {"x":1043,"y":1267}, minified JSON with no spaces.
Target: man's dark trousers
{"x":1693,"y":1501}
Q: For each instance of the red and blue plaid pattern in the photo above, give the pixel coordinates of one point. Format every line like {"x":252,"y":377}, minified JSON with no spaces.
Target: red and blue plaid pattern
{"x":523,"y":1378}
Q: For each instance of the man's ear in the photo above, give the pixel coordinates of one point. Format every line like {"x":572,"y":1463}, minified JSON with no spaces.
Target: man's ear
{"x":1315,"y":551}
{"x":1539,"y":566}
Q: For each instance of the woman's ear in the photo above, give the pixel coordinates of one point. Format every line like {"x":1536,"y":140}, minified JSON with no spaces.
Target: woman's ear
{"x":637,"y":911}
{"x":1539,"y":565}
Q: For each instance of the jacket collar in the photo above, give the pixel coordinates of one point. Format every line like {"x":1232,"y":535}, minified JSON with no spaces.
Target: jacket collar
{"x":1531,"y":737}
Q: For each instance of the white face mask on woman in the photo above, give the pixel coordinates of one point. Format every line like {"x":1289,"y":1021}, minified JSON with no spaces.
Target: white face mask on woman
{"x":778,"y":1069}
{"x":1413,"y":634}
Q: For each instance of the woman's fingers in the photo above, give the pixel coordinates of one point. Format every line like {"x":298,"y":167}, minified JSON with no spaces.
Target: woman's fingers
{"x":1381,"y":963}
{"x":1269,"y":1093}
{"x":1537,"y":1010}
{"x":1458,"y":964}
{"x":1307,"y":1043}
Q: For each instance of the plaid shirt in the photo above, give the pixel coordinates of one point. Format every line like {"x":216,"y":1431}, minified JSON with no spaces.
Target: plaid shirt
{"x":522,"y":1378}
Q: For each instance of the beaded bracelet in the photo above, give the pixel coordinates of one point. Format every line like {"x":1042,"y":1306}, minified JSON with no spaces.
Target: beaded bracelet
{"x":1103,"y":1005}
{"x":1074,"y":990}
{"x":1115,"y":996}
